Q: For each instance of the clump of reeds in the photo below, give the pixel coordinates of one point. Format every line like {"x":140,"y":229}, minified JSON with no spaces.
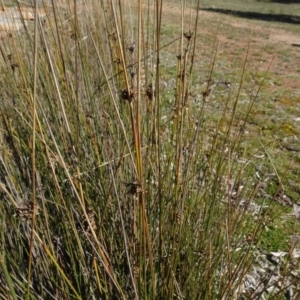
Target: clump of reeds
{"x":114,"y":184}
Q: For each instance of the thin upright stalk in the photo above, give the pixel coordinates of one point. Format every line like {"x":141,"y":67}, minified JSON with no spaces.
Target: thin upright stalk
{"x":33,"y":162}
{"x":157,"y":132}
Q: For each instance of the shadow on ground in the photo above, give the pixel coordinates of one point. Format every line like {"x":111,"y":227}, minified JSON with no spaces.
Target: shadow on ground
{"x":256,"y":15}
{"x":286,"y":1}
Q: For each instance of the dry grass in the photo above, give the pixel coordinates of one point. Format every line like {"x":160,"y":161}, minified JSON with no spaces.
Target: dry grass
{"x":141,"y":158}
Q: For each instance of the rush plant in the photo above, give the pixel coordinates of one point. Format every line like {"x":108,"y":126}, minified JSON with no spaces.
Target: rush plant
{"x":120,"y":177}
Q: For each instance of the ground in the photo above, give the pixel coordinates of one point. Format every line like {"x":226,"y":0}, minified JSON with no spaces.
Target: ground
{"x":268,"y":39}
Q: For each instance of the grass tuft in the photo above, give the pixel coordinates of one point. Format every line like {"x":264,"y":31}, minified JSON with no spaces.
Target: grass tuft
{"x":133,"y":166}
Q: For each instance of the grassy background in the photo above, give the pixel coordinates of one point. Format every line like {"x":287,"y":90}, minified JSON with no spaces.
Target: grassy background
{"x":264,"y":7}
